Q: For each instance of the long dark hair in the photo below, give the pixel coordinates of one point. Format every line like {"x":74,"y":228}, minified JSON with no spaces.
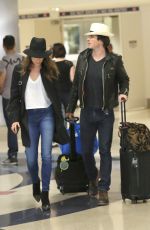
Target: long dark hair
{"x":105,"y":40}
{"x":48,"y":67}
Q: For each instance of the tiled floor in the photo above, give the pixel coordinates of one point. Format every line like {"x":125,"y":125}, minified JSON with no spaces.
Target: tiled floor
{"x":19,"y":211}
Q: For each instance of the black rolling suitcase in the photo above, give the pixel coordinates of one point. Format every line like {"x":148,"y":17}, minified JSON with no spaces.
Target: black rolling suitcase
{"x":70,"y":174}
{"x":134,"y":159}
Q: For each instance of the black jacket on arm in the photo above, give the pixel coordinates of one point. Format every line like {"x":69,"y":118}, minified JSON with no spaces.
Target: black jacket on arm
{"x":114,"y":79}
{"x":17,"y":112}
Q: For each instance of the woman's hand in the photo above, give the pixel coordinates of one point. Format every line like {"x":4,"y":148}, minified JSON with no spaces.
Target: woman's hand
{"x":15,"y":127}
{"x":123,"y":97}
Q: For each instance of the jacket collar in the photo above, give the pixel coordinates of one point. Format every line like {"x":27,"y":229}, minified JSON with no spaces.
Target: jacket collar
{"x":88,"y":52}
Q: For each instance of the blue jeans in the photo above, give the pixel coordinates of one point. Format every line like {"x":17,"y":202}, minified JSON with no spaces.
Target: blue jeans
{"x":41,"y":123}
{"x":91,"y":121}
{"x":12,"y":140}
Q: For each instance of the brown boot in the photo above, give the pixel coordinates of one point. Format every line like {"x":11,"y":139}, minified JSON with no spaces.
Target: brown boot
{"x":103,"y":198}
{"x":93,"y":189}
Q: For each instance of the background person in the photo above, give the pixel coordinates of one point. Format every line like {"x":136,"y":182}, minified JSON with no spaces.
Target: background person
{"x":10,"y":60}
{"x":37,"y":111}
{"x":100,"y":79}
{"x":2,"y":76}
{"x":66,"y":71}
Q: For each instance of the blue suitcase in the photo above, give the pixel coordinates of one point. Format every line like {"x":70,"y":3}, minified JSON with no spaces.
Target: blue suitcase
{"x":65,"y":149}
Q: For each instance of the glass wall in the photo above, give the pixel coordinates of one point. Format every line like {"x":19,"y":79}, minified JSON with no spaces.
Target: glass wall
{"x":74,"y":30}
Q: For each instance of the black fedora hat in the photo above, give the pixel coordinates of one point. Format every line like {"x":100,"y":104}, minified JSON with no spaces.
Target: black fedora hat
{"x":37,"y":48}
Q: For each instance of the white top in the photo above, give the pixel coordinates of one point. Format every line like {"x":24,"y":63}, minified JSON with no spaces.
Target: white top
{"x":35,"y":94}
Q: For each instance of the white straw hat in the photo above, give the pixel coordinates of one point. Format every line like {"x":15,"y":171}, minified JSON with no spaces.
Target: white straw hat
{"x":99,"y":29}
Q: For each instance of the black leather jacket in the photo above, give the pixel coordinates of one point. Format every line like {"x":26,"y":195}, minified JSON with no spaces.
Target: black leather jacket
{"x":17,"y":112}
{"x":114,"y":79}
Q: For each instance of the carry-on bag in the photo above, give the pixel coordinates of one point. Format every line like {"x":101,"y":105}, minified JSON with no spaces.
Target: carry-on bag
{"x":70,"y":173}
{"x":134,"y":159}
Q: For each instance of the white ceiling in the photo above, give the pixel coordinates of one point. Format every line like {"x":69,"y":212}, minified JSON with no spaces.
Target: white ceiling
{"x":33,"y":6}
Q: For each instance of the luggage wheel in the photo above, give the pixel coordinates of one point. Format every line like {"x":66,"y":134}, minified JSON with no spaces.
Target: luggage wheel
{"x":124,"y":198}
{"x":134,"y":201}
{"x":61,"y":190}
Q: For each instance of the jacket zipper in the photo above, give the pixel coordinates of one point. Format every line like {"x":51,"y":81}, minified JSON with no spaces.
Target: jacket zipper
{"x":103,"y":83}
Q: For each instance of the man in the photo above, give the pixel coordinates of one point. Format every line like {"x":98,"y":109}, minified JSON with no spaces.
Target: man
{"x":11,"y":59}
{"x":100,"y":80}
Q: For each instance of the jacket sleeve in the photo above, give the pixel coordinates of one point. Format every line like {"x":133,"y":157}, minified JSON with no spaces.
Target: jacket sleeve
{"x":14,"y":106}
{"x":122,"y":77}
{"x":74,"y":91}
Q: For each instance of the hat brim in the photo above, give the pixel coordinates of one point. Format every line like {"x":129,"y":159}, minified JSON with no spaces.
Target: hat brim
{"x":36,"y":54}
{"x":107,"y":34}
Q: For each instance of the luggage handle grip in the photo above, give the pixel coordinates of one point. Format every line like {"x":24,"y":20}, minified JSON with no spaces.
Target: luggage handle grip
{"x":123,"y":112}
{"x":73,"y":119}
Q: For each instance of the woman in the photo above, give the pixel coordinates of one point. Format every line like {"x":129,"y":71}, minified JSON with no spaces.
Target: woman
{"x":35,"y":108}
{"x":66,"y":71}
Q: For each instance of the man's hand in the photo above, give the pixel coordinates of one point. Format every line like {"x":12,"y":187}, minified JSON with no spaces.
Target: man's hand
{"x":70,"y":116}
{"x":15,"y":127}
{"x":122,"y":97}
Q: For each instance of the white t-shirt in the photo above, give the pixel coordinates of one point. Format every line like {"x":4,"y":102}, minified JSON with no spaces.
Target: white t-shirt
{"x":35,"y":94}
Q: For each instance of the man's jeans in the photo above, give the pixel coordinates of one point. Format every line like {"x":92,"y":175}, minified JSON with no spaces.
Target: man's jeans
{"x":41,"y":123}
{"x":91,"y":121}
{"x":11,"y":137}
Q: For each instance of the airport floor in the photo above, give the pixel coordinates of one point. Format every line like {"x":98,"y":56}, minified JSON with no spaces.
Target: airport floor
{"x":76,"y":211}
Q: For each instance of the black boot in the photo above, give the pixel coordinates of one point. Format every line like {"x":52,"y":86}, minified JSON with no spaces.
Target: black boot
{"x":45,"y":201}
{"x":37,"y":191}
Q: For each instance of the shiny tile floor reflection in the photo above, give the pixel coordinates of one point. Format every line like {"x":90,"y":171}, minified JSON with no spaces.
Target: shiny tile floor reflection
{"x":18,"y":210}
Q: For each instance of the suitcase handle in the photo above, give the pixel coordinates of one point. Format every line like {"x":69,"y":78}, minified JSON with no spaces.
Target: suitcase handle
{"x":74,"y":119}
{"x":123,"y":113}
{"x":123,"y":126}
